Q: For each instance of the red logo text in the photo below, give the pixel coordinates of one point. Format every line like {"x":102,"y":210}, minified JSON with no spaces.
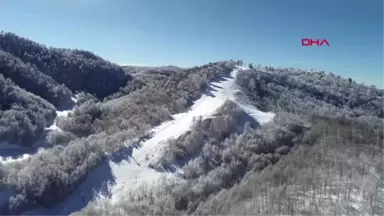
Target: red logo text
{"x":310,"y":42}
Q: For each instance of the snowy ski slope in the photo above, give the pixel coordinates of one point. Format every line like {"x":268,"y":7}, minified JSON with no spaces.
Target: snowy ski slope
{"x":133,"y":171}
{"x":129,"y":173}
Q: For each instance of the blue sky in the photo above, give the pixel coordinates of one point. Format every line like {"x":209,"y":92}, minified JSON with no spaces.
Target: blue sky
{"x":195,"y":32}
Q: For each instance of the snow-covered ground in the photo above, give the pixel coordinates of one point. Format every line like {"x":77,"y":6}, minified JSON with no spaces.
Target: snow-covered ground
{"x":74,"y":99}
{"x":134,"y":170}
{"x":14,"y":152}
{"x":62,"y":113}
{"x":130,"y":173}
{"x":54,"y":126}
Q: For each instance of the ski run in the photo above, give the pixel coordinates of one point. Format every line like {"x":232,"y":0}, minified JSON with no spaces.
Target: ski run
{"x":112,"y":178}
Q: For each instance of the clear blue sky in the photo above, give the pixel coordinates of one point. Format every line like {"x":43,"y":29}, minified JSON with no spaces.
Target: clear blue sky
{"x":195,"y":32}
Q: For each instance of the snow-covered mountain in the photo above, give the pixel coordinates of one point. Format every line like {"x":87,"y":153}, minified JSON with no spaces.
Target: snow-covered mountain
{"x":134,"y":170}
{"x":90,"y":137}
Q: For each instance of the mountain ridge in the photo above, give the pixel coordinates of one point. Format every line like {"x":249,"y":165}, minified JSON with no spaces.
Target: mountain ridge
{"x":320,"y":122}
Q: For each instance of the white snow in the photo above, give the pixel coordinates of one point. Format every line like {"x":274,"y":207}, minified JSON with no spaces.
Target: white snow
{"x":19,"y":157}
{"x":16,"y":153}
{"x":74,"y":99}
{"x":128,"y":174}
{"x":10,"y":159}
{"x":63,"y":113}
{"x":54,"y":126}
{"x":12,"y":152}
{"x":134,"y":171}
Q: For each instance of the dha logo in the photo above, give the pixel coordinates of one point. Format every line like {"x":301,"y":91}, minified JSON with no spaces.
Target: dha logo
{"x":310,"y":42}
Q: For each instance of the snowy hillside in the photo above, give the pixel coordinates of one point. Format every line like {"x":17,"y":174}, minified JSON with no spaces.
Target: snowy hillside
{"x":14,"y":152}
{"x":129,"y":167}
{"x":129,"y":173}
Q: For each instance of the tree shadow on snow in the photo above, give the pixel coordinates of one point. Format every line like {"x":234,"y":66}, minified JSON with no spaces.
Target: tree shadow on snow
{"x":222,"y":79}
{"x":209,"y":91}
{"x":246,"y":118}
{"x":216,"y":86}
{"x":125,"y":154}
{"x":96,"y":183}
{"x":210,"y":87}
{"x":15,"y":153}
{"x":66,"y":105}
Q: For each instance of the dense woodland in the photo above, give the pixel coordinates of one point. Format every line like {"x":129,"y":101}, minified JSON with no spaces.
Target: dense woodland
{"x":307,"y":92}
{"x":145,"y":103}
{"x":99,"y":125}
{"x":54,"y":75}
{"x":78,"y":70}
{"x":293,"y":166}
{"x":23,"y":115}
{"x":321,"y":155}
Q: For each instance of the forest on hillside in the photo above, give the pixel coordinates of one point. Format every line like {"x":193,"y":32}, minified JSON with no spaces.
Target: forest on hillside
{"x":111,"y":109}
{"x":321,"y":154}
{"x":307,"y":92}
{"x":54,"y":76}
{"x":332,"y":167}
